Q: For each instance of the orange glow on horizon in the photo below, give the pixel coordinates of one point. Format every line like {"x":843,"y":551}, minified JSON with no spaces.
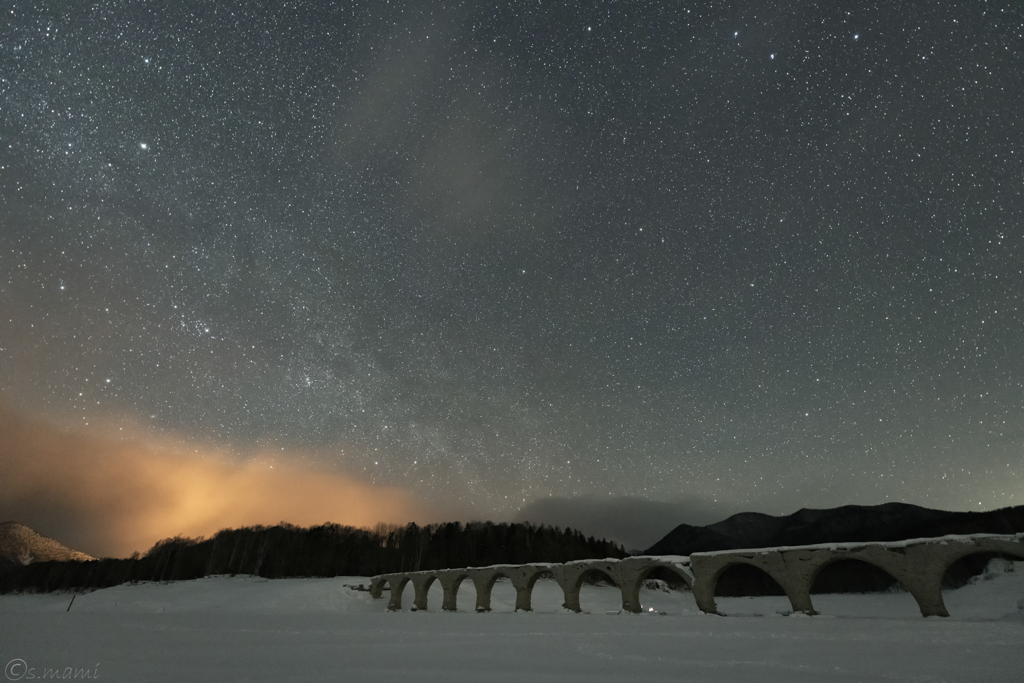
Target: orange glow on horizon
{"x":109,"y":497}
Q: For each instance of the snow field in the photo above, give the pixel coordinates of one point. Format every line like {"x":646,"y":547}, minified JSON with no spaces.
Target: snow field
{"x":251,"y":629}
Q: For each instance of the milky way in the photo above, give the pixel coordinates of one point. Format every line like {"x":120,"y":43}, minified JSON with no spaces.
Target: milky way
{"x":764,"y":254}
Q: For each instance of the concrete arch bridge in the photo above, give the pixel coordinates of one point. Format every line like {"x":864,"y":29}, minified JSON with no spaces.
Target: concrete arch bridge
{"x":917,"y":565}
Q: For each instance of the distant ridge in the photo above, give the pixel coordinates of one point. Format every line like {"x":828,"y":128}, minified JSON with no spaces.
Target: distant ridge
{"x":850,"y":523}
{"x":20,"y":545}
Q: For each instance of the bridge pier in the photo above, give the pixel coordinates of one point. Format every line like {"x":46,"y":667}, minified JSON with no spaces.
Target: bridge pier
{"x":483,"y":581}
{"x":704,"y":592}
{"x":524,"y":602}
{"x":629,"y":575}
{"x":450,"y":582}
{"x":421,"y":584}
{"x":397,"y":584}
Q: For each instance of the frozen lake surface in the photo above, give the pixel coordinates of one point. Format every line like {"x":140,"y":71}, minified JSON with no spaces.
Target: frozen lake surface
{"x":251,"y":629}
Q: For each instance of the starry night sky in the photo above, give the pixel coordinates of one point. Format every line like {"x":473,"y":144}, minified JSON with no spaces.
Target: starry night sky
{"x":762,"y":255}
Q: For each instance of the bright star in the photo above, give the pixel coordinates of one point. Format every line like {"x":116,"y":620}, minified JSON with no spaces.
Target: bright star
{"x":143,"y":145}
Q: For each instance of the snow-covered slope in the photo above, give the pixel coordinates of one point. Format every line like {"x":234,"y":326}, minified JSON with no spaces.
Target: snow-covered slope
{"x":21,"y":545}
{"x":251,"y":629}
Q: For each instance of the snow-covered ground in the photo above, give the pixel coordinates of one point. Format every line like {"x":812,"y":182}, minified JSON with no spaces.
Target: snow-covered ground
{"x":250,"y":629}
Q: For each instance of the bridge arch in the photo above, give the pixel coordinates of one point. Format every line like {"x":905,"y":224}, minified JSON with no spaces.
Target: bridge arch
{"x":743,"y":578}
{"x":633,"y":581}
{"x":664,"y":569}
{"x":495,"y":575}
{"x":631,"y":591}
{"x":591,"y":575}
{"x":839,"y":584}
{"x":982,"y":553}
{"x":544,"y":573}
{"x":830,"y":577}
{"x":530,"y":576}
{"x":930,"y":562}
{"x":973,"y":568}
{"x":741,"y":569}
{"x":485,"y":581}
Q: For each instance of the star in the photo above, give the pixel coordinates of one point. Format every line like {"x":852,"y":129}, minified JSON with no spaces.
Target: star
{"x":352,"y":207}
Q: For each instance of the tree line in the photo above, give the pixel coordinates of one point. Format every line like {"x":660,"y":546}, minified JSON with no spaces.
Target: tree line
{"x":327,"y":550}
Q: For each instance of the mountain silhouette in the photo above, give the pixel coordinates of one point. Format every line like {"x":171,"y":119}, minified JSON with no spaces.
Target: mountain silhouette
{"x":850,"y":523}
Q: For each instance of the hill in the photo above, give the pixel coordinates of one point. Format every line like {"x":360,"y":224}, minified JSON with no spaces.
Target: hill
{"x":19,"y":545}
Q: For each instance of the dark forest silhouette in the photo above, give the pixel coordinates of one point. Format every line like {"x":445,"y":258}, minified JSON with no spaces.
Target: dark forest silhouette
{"x":285,"y":551}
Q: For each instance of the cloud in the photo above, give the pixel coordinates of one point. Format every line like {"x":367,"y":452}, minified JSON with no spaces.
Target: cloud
{"x":635,"y":522}
{"x":468,"y":166}
{"x":110,"y":497}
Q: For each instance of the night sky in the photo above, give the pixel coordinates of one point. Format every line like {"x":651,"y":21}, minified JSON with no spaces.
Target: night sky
{"x":755,"y":255}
